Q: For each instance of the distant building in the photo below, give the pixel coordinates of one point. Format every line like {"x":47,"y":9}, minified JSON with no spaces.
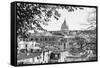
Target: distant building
{"x":64,"y":27}
{"x":52,"y":34}
{"x":63,"y":31}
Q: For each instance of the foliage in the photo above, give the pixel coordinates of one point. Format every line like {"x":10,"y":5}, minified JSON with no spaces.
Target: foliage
{"x":92,"y":20}
{"x":77,"y":44}
{"x":86,"y":40}
{"x":31,"y":16}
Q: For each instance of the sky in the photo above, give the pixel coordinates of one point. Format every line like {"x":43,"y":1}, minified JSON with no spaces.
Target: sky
{"x":74,"y":20}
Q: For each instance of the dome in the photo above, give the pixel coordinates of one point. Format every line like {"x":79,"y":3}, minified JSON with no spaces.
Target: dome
{"x":64,"y":26}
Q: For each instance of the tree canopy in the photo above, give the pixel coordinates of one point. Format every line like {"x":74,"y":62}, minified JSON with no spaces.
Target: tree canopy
{"x":30,"y":16}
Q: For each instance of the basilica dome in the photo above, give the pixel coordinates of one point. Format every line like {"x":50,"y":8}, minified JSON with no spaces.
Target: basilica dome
{"x":64,"y":26}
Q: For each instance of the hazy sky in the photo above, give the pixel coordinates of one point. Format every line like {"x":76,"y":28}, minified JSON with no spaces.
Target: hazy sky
{"x":74,"y":20}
